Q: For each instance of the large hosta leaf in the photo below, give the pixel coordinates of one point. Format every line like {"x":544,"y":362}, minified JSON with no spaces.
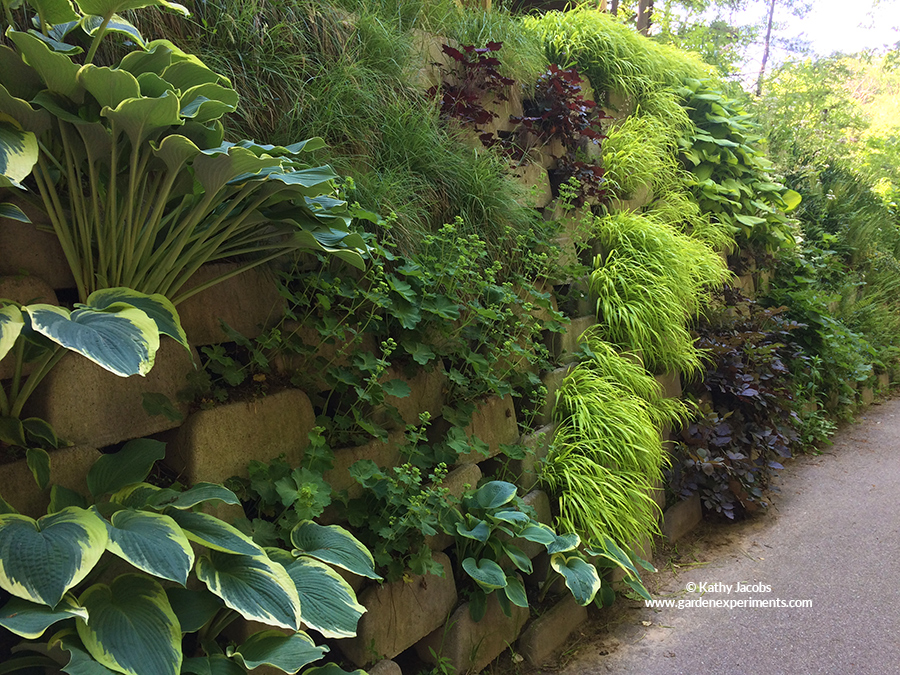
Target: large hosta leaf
{"x":109,"y":86}
{"x":29,"y":620}
{"x":53,"y":12}
{"x":581,"y":577}
{"x":495,"y":494}
{"x":42,"y":559}
{"x":254,"y":586}
{"x":58,"y":72}
{"x":117,"y":24}
{"x":11,"y":324}
{"x":194,"y":608}
{"x":486,"y":573}
{"x":151,"y":542}
{"x":158,"y":307}
{"x":334,"y":545}
{"x":120,"y":338}
{"x":286,"y":652}
{"x":329,"y":603}
{"x":199,"y":493}
{"x":18,"y":152}
{"x":110,"y":7}
{"x":142,"y":117}
{"x":80,"y":661}
{"x":217,"y":664}
{"x":128,"y":466}
{"x":132,"y":628}
{"x":214,"y":533}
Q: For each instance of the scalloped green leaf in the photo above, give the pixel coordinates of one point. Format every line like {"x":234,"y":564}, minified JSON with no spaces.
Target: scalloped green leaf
{"x":194,"y":608}
{"x":479,"y":532}
{"x":108,"y":85}
{"x":40,"y":560}
{"x":515,"y":591}
{"x":58,"y":72}
{"x":142,"y":117}
{"x":494,"y":494}
{"x":29,"y":620}
{"x":120,"y":338}
{"x":117,"y":24}
{"x":198,"y":494}
{"x":563,"y":543}
{"x":53,"y":12}
{"x":214,"y":533}
{"x":11,"y":324}
{"x":486,"y":573}
{"x":152,"y":542}
{"x":273,"y":648}
{"x":329,"y":603}
{"x":38,"y":461}
{"x":18,"y":152}
{"x":130,"y":465}
{"x":132,"y":628}
{"x":253,"y":586}
{"x":335,"y":545}
{"x":217,"y":664}
{"x":110,"y":7}
{"x":157,"y":306}
{"x":581,"y":577}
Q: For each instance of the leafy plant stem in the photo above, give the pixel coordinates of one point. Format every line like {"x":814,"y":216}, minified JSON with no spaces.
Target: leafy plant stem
{"x":45,"y":365}
{"x":98,"y":36}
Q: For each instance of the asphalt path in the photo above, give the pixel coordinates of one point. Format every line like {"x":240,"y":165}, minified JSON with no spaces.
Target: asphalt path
{"x":831,"y":539}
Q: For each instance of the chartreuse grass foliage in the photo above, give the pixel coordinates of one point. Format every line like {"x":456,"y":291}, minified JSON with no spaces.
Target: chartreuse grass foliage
{"x":607,"y":454}
{"x":650,"y":280}
{"x":614,"y":56}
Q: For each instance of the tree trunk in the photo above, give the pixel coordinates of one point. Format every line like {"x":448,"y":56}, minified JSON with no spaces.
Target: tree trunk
{"x":645,"y":10}
{"x":614,"y":7}
{"x":765,"y":57}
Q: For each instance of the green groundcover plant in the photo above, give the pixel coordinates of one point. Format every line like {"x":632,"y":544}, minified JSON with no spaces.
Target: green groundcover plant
{"x":191,"y":574}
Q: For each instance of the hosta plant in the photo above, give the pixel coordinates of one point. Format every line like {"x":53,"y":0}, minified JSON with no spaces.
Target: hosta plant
{"x":190,"y":575}
{"x":117,"y":328}
{"x":130,"y":162}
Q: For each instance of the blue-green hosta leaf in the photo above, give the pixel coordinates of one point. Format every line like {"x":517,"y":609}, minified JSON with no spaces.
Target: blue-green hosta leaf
{"x":80,"y":661}
{"x":611,"y":551}
{"x":285,"y":652}
{"x":11,"y":324}
{"x":110,"y":7}
{"x":194,"y":608}
{"x":313,"y":179}
{"x":334,"y":545}
{"x":214,"y":533}
{"x":56,"y":45}
{"x":117,"y":24}
{"x":39,"y":464}
{"x":151,"y":542}
{"x":130,"y":465}
{"x":253,"y":586}
{"x":217,"y":664}
{"x":157,"y":306}
{"x":109,"y":86}
{"x":6,"y":507}
{"x":132,"y":628}
{"x":480,"y":531}
{"x":309,"y":145}
{"x":329,"y":603}
{"x":18,"y":152}
{"x":121,"y":339}
{"x":495,"y":494}
{"x":42,"y":559}
{"x":581,"y":577}
{"x":135,"y":495}
{"x":13,"y":212}
{"x":155,"y":58}
{"x":199,"y":493}
{"x":511,"y":516}
{"x":58,"y":71}
{"x":538,"y":533}
{"x":29,"y":620}
{"x":142,"y":117}
{"x":563,"y":543}
{"x":486,"y":573}
{"x":515,"y":591}
{"x":518,"y":557}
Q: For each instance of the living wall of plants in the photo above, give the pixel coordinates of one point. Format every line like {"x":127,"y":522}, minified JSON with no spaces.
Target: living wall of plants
{"x":485,"y":240}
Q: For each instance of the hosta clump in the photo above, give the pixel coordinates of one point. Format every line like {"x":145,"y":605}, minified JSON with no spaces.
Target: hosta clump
{"x":747,"y":424}
{"x":192,"y":574}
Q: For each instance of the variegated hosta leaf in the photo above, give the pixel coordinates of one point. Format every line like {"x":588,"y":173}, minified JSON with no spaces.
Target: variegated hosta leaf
{"x":38,"y":461}
{"x":194,"y":608}
{"x":197,"y":494}
{"x":13,"y":212}
{"x":18,"y":152}
{"x":157,"y":306}
{"x":217,"y":664}
{"x":486,"y":573}
{"x":329,"y":603}
{"x":564,"y":543}
{"x":286,"y":652}
{"x":518,"y":558}
{"x":117,"y":24}
{"x":110,"y":7}
{"x":42,"y":559}
{"x":254,"y":586}
{"x":515,"y":591}
{"x":132,"y":628}
{"x":335,"y":545}
{"x":80,"y":661}
{"x":495,"y":494}
{"x":11,"y":324}
{"x":581,"y":577}
{"x":29,"y":620}
{"x":151,"y":542}
{"x":214,"y":533}
{"x":120,"y":338}
{"x":130,"y":465}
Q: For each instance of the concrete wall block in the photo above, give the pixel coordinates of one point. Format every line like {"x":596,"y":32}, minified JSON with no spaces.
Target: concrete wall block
{"x":563,"y":346}
{"x":385,"y":453}
{"x":427,"y":393}
{"x":88,"y":405}
{"x":30,"y":248}
{"x":550,"y":152}
{"x":457,"y":483}
{"x":334,"y":352}
{"x":867,"y":395}
{"x":552,"y":380}
{"x":745,"y":285}
{"x":400,"y":614}
{"x":68,"y":467}
{"x":471,"y":646}
{"x":535,"y":178}
{"x":884,"y":381}
{"x":549,"y":632}
{"x":493,"y":422}
{"x":681,"y":518}
{"x":248,"y":302}
{"x":214,"y":444}
{"x":636,"y":201}
{"x":671,"y":384}
{"x":384,"y":667}
{"x":427,"y":49}
{"x":537,"y":444}
{"x":27,"y":290}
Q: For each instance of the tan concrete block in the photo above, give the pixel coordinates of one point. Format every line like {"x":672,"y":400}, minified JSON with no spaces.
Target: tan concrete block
{"x":552,"y":381}
{"x":564,"y":346}
{"x":400,"y":614}
{"x":670,"y":383}
{"x":26,"y":290}
{"x":494,"y":422}
{"x":384,"y":667}
{"x":549,"y":632}
{"x":536,"y":444}
{"x":867,"y":395}
{"x":315,"y":355}
{"x":214,"y":444}
{"x":471,"y":646}
{"x":68,"y":467}
{"x":248,"y":302}
{"x":385,"y":453}
{"x":32,"y":248}
{"x":884,"y":381}
{"x":681,"y":518}
{"x":540,"y":502}
{"x":536,"y":180}
{"x":427,"y":395}
{"x":88,"y":405}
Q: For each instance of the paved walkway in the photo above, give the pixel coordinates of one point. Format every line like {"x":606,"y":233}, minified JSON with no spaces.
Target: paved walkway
{"x":832,"y":537}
